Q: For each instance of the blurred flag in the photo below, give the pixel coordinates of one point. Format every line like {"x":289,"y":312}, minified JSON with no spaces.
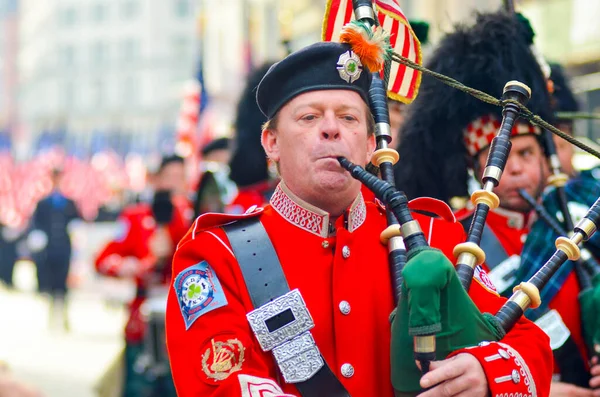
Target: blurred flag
{"x":204,"y":98}
{"x":404,"y":82}
{"x":191,"y":131}
{"x":187,"y":123}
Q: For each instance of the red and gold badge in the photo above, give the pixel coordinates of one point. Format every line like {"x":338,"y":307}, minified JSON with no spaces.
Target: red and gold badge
{"x":222,"y":358}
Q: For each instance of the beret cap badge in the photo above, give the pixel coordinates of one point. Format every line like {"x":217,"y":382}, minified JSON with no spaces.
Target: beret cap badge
{"x":349,"y":66}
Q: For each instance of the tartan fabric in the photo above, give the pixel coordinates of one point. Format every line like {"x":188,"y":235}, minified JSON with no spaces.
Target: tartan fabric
{"x":539,"y":247}
{"x":593,"y":174}
{"x":479,"y":133}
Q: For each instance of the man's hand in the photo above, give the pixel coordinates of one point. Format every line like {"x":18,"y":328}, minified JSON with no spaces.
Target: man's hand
{"x":160,"y":243}
{"x":560,"y":389}
{"x":595,"y":381}
{"x":461,"y":375}
{"x":132,"y":267}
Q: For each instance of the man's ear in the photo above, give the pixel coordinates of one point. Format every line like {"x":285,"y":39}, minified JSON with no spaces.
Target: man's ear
{"x":371,"y":145}
{"x":270,"y":143}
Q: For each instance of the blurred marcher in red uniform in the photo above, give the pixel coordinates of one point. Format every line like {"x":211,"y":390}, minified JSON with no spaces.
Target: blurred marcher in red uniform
{"x":142,"y":251}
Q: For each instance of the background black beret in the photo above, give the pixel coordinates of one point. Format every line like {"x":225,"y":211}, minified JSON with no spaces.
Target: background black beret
{"x":312,"y":68}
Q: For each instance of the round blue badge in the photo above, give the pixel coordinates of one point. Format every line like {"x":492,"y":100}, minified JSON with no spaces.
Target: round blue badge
{"x":198,"y":292}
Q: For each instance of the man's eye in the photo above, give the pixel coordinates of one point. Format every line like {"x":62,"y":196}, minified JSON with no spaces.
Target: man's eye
{"x":349,"y":118}
{"x":309,"y":117}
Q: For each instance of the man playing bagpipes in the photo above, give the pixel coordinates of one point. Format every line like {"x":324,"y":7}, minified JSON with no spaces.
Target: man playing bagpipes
{"x":147,"y":235}
{"x":294,"y":299}
{"x":448,"y":132}
{"x":568,"y":312}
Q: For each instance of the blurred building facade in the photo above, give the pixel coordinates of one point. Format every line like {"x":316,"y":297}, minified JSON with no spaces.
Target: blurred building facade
{"x":256,"y":31}
{"x":568,"y":33}
{"x":109,"y":66}
{"x":8,"y":66}
{"x":442,"y":15}
{"x":97,"y":67}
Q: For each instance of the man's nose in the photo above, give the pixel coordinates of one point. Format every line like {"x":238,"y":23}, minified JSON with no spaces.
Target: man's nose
{"x":513,"y":166}
{"x":330,"y":129}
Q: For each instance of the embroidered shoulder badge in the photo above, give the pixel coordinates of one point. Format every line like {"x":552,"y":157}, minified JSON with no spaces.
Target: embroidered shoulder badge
{"x":253,"y":386}
{"x":198,"y":292}
{"x":483,"y":279}
{"x":222,"y":358}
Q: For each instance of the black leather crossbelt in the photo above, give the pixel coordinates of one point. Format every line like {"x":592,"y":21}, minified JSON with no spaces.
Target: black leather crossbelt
{"x":266,"y":283}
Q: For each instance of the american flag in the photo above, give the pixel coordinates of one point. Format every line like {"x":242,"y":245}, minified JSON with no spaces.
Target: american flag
{"x":404,"y":82}
{"x":195,"y":101}
{"x":187,"y":123}
{"x":195,"y":124}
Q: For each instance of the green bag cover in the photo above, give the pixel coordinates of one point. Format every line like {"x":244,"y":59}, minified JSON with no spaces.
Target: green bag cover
{"x":434,"y":301}
{"x":589,"y":300}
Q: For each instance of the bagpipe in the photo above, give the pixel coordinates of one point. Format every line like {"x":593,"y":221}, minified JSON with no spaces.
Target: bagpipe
{"x":435,"y":315}
{"x":215,"y":191}
{"x":555,"y":219}
{"x":586,"y":268}
{"x":587,"y":271}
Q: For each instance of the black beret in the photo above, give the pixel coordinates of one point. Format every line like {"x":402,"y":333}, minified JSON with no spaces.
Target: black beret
{"x":320,"y":66}
{"x":215,"y":144}
{"x":170,"y":159}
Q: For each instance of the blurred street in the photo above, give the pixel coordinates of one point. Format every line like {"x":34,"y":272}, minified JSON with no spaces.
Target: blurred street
{"x":83,"y":362}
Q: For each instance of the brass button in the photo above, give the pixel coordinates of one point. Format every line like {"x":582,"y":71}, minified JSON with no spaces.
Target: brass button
{"x":325,"y":244}
{"x":501,"y":354}
{"x":347,"y":370}
{"x":344,"y":307}
{"x":346,"y":252}
{"x":514,"y":377}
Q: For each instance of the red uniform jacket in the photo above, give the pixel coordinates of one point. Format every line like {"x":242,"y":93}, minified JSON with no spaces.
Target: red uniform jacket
{"x":249,"y":196}
{"x":137,"y":226}
{"x":511,"y":229}
{"x":345,"y":282}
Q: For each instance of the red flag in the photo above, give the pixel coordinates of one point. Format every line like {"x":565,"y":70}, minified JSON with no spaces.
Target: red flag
{"x":404,"y":81}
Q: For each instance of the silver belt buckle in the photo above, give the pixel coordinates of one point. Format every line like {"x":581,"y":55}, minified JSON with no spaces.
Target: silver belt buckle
{"x":283,"y":327}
